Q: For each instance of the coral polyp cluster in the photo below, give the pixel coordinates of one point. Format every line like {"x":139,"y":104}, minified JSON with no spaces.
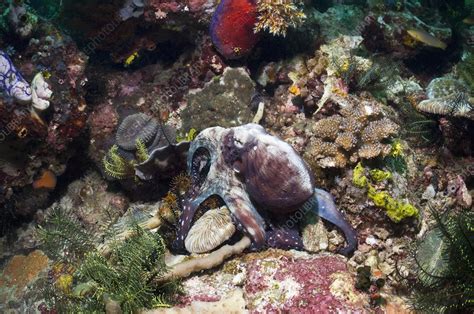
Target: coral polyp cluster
{"x":277,"y":16}
{"x":358,"y":131}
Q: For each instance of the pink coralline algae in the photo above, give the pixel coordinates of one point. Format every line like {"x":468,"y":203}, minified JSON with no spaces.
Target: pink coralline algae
{"x":319,"y":284}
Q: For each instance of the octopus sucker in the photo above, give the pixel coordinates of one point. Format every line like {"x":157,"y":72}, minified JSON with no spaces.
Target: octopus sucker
{"x":261,"y":179}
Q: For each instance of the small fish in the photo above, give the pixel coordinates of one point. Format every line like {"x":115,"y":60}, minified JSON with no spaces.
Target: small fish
{"x":130,"y":59}
{"x":469,"y":20}
{"x":426,"y":38}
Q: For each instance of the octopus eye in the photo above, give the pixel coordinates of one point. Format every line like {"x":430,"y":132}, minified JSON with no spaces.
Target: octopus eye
{"x":201,"y":164}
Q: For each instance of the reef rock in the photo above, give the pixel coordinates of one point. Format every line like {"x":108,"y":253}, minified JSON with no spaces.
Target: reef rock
{"x":224,"y":102}
{"x":274,"y":281}
{"x":20,"y":272}
{"x":339,"y":19}
{"x":32,"y":141}
{"x":307,"y":283}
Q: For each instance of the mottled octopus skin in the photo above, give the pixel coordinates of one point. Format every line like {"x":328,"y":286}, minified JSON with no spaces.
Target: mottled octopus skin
{"x":11,"y":80}
{"x":256,"y":174}
{"x":232,"y":27}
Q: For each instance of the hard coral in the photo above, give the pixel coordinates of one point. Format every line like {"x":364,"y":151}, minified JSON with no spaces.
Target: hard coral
{"x":357,"y":132}
{"x":448,"y":96}
{"x":278,"y":16}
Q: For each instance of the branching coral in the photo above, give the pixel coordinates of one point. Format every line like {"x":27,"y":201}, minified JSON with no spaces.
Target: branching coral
{"x":277,"y":16}
{"x":396,"y":210}
{"x":359,"y":131}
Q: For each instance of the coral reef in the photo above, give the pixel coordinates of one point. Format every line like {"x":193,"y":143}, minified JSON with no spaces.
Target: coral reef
{"x":52,"y":132}
{"x":314,"y":284}
{"x":20,"y":272}
{"x":369,"y":100}
{"x":389,"y":31}
{"x":339,"y":19}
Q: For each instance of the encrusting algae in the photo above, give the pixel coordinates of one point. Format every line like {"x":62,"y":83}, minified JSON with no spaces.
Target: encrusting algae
{"x":396,"y":210}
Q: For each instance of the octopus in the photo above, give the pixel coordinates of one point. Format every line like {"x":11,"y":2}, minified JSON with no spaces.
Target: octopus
{"x":266,"y":186}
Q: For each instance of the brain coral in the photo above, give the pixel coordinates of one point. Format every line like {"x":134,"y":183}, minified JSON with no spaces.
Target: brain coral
{"x":358,"y":131}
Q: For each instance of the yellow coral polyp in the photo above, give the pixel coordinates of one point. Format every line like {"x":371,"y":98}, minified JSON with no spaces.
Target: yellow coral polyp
{"x":295,"y":90}
{"x":64,"y":283}
{"x":397,"y":149}
{"x":345,"y":66}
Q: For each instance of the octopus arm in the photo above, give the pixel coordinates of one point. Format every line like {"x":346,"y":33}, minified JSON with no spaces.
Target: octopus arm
{"x":328,"y":211}
{"x":247,"y":217}
{"x":189,"y":206}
